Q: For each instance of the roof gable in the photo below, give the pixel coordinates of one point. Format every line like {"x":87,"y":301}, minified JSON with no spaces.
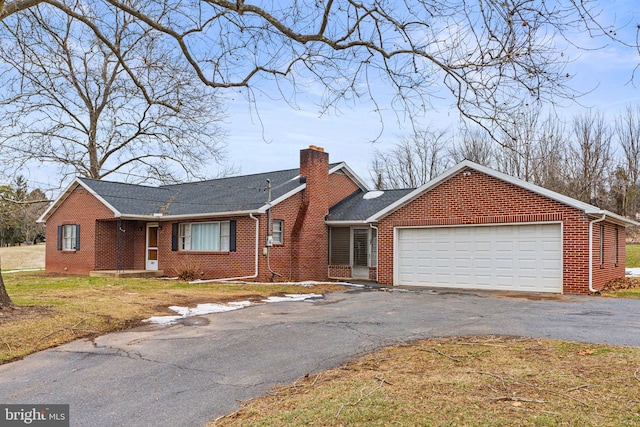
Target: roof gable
{"x":77,"y":182}
{"x":584,"y":207}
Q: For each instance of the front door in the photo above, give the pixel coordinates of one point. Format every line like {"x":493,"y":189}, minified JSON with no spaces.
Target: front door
{"x":152,"y":247}
{"x":360,"y":266}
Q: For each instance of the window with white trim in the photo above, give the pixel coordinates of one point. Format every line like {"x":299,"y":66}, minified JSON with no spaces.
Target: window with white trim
{"x":277,"y":229}
{"x":69,"y":237}
{"x":204,"y":236}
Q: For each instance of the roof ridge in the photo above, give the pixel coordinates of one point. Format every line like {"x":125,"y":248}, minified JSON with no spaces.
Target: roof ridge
{"x":85,"y":179}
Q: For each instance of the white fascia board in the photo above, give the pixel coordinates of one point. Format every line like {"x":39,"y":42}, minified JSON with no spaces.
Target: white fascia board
{"x":346,"y":223}
{"x":363,"y":186}
{"x":614,"y":218}
{"x":584,"y":207}
{"x":66,"y":193}
{"x":281,"y":199}
{"x":188,"y":216}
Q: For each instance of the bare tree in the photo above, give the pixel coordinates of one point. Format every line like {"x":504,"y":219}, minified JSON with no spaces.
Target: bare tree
{"x":5,"y":300}
{"x":476,"y":145}
{"x":533,"y":149}
{"x":590,"y":159}
{"x":31,"y":208}
{"x":412,"y":162}
{"x":628,"y":135}
{"x":551,"y":147}
{"x":71,"y":100}
{"x":518,"y":154}
{"x":491,"y":56}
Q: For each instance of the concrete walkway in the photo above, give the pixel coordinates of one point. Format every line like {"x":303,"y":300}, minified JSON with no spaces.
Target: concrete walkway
{"x":192,"y":373}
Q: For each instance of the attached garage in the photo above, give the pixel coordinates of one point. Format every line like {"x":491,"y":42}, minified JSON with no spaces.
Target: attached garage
{"x":517,"y":257}
{"x":476,"y":228}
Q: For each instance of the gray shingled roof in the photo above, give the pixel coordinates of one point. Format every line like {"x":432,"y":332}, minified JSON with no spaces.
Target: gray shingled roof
{"x":359,"y":206}
{"x":239,"y":193}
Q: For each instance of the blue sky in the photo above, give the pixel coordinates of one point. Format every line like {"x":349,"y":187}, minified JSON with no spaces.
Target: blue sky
{"x":602,"y":69}
{"x":273,"y":140}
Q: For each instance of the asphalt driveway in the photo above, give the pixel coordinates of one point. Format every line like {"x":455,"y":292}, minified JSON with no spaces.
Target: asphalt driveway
{"x":188,"y":375}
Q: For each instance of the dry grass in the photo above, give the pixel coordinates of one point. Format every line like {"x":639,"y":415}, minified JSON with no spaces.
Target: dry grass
{"x":56,"y":310}
{"x":472,"y":381}
{"x":21,"y":257}
{"x":633,"y":255}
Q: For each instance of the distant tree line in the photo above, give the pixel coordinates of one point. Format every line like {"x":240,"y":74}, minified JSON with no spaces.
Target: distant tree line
{"x":587,"y":157}
{"x":19,"y":210}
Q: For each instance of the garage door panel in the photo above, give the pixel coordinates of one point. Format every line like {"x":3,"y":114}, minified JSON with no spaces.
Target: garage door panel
{"x":516,"y":257}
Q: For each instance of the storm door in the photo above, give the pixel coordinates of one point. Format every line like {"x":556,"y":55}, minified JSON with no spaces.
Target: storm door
{"x":360,"y":266}
{"x":152,"y":247}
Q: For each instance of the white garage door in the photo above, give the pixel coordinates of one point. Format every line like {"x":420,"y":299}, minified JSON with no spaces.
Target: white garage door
{"x":504,"y":257}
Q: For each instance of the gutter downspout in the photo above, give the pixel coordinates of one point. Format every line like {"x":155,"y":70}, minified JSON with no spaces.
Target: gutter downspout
{"x":377,"y":250}
{"x":591,"y":253}
{"x":270,"y":233}
{"x":257,"y":258}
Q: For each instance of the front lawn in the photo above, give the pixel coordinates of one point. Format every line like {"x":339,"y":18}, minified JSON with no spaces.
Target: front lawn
{"x":633,"y":256}
{"x":55,"y":310}
{"x":462,"y":381}
{"x":22,"y":257}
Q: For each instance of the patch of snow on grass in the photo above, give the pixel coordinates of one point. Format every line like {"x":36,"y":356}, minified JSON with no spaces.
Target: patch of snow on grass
{"x":163,"y":320}
{"x":309,"y":283}
{"x":632,"y":272}
{"x":292,"y":297}
{"x":211,"y":308}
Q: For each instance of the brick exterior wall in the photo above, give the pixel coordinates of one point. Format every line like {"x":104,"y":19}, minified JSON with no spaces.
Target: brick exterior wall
{"x":309,"y":235}
{"x":609,"y":269}
{"x":120,"y":245}
{"x":108,"y":243}
{"x":82,"y":208}
{"x":210,"y":265}
{"x":303,"y":255}
{"x":340,"y":186}
{"x":340,"y":271}
{"x":300,"y":258}
{"x":483,"y":199}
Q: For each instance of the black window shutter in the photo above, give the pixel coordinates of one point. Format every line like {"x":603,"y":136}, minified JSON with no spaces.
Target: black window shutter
{"x":174,"y":236}
{"x":59,"y":237}
{"x":232,"y":235}
{"x":77,"y":237}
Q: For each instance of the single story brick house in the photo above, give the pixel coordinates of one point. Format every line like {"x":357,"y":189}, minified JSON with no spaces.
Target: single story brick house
{"x":471,"y":227}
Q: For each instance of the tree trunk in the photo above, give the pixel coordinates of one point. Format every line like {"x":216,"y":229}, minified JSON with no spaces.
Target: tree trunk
{"x":5,"y":301}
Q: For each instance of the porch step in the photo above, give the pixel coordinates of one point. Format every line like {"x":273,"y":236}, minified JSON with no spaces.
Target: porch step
{"x":127,"y":273}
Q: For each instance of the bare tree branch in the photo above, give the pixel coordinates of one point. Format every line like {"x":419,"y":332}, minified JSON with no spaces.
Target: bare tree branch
{"x":71,"y":101}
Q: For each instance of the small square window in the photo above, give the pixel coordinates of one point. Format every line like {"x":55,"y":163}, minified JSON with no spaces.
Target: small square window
{"x":278,"y":231}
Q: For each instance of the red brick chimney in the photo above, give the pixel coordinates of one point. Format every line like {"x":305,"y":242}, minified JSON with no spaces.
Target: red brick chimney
{"x":310,"y":236}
